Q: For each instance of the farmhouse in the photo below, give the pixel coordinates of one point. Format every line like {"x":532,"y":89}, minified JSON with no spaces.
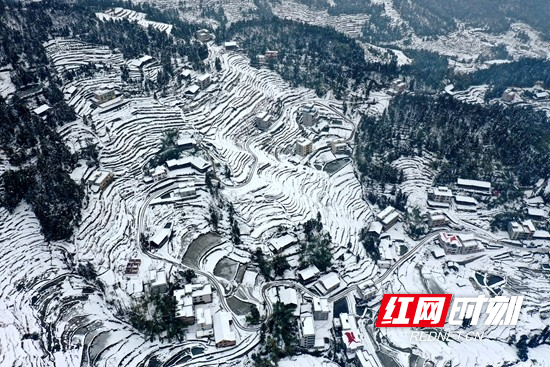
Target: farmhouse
{"x":204,"y":35}
{"x":223,"y":336}
{"x":441,"y":194}
{"x":196,"y":163}
{"x":480,"y":187}
{"x":103,"y":95}
{"x":308,"y":274}
{"x":327,"y":283}
{"x":263,"y":120}
{"x":279,"y":244}
{"x":232,"y":45}
{"x":100,"y":180}
{"x":42,"y":111}
{"x":388,"y":217}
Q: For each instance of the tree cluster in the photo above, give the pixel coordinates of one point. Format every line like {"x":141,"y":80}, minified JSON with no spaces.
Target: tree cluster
{"x":469,"y":141}
{"x":277,"y":337}
{"x":316,"y":248}
{"x":316,"y":57}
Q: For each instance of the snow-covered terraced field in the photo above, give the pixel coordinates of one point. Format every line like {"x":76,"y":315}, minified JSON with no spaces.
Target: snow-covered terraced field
{"x":69,"y":54}
{"x":350,"y":25}
{"x":267,"y":187}
{"x":133,"y":16}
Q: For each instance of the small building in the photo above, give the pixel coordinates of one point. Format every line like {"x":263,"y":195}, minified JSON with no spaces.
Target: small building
{"x":437,"y":218}
{"x":309,"y":114}
{"x":203,"y":318}
{"x":203,"y":295}
{"x":103,"y":95}
{"x":158,"y":173}
{"x":223,"y":336}
{"x":398,"y":86}
{"x":466,"y":202}
{"x":192,"y":91}
{"x":186,"y":142}
{"x":279,"y":244}
{"x":307,"y":332}
{"x":271,"y":55}
{"x":441,"y":194}
{"x":339,"y":147}
{"x":158,"y":282}
{"x":101,"y":179}
{"x":480,"y":187}
{"x":42,"y":111}
{"x":308,"y":274}
{"x":321,"y":310}
{"x":186,"y":190}
{"x":184,"y":307}
{"x":288,"y":296}
{"x":388,"y":217}
{"x":160,"y":237}
{"x":537,"y":214}
{"x":521,"y":231}
{"x":376,"y":227}
{"x":508,"y":96}
{"x":231,"y":45}
{"x":304,"y":147}
{"x":438,"y":253}
{"x":203,"y":81}
{"x":328,"y":282}
{"x":204,"y":35}
{"x":263,"y":120}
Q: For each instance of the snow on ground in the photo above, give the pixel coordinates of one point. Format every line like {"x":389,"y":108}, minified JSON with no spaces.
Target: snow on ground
{"x":306,"y":361}
{"x":6,"y":86}
{"x":350,"y":25}
{"x":468,"y":44}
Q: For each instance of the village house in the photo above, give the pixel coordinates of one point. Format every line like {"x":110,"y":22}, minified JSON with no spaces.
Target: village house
{"x":303,"y":147}
{"x":223,"y":336}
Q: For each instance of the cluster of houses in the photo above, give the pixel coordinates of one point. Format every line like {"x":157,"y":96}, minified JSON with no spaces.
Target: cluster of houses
{"x":526,"y":230}
{"x":442,"y":197}
{"x":192,"y":306}
{"x":201,"y":82}
{"x":384,"y":220}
